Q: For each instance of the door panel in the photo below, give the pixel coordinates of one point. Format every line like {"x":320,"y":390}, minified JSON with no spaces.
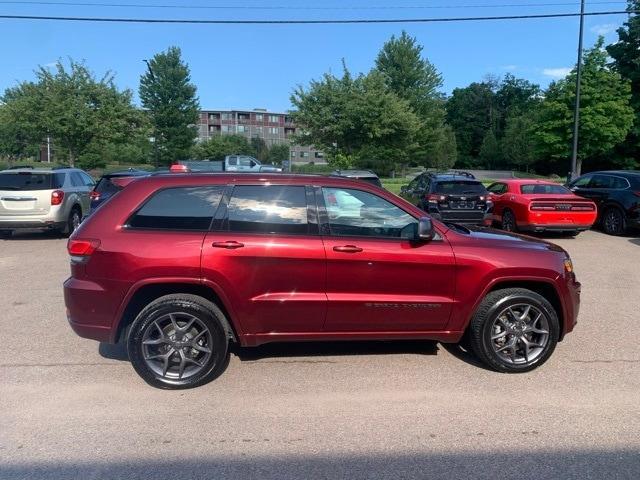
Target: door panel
{"x":378,"y":277}
{"x":389,"y":285}
{"x":267,"y":255}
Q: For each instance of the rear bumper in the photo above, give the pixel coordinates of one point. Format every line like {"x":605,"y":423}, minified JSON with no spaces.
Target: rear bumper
{"x":89,"y":310}
{"x":16,"y":222}
{"x":569,"y":227}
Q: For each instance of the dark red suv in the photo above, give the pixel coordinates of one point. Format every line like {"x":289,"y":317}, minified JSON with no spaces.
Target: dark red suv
{"x":180,"y":266}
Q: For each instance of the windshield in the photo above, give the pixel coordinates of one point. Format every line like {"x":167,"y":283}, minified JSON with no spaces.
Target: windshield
{"x":460,"y":187}
{"x":543,"y":189}
{"x":27,"y":181}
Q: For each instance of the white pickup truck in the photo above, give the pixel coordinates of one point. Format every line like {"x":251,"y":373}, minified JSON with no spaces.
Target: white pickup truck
{"x":231,"y":163}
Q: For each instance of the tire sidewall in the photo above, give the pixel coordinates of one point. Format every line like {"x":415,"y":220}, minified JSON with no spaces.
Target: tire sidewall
{"x":509,"y":300}
{"x":509,"y":214}
{"x":145,"y":319}
{"x":615,"y":211}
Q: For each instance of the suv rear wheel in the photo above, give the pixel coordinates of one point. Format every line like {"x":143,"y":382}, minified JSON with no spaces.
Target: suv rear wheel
{"x":178,"y":341}
{"x":613,"y":221}
{"x":514,"y":330}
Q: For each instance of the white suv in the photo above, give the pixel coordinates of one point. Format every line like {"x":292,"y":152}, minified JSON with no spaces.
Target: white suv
{"x":51,"y":199}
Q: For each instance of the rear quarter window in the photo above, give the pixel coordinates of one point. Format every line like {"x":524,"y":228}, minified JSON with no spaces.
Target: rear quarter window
{"x":182,"y":208}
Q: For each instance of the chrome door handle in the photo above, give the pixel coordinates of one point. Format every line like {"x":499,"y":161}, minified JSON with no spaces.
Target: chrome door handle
{"x":347,"y":249}
{"x":230,"y":244}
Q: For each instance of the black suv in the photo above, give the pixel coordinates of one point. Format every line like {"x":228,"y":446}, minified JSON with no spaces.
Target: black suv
{"x":451,"y":197}
{"x":364,"y":175}
{"x":617,"y":195}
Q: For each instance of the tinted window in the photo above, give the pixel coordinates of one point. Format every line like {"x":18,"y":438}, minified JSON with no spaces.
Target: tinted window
{"x":268,"y":209}
{"x":543,"y":189}
{"x":459,"y":187}
{"x":77,"y":180}
{"x":582,"y":181}
{"x":354,"y":212}
{"x":185,"y":208}
{"x":497,"y":188}
{"x":372,"y":180}
{"x":27,"y":181}
{"x":105,"y":186}
{"x":86,"y":179}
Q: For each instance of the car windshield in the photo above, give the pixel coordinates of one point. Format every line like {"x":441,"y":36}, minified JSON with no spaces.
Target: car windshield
{"x":543,"y":189}
{"x":460,"y":187}
{"x":26,"y":181}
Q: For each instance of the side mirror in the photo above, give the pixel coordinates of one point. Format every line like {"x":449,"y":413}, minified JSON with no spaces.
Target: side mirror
{"x":426,"y":232}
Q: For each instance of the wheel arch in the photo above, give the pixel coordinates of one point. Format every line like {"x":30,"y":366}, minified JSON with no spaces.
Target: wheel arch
{"x":140,"y":296}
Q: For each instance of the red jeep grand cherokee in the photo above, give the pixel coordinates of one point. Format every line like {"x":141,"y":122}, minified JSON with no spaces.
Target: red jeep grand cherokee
{"x":179,"y":266}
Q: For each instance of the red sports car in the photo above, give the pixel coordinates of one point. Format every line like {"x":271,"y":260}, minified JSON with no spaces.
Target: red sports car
{"x":538,"y":205}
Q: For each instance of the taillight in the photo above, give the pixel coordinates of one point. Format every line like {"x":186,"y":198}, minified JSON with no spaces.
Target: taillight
{"x":436,"y":198}
{"x":179,"y":168}
{"x":82,"y":247}
{"x":540,"y":206}
{"x":583,"y":208}
{"x":94,"y":195}
{"x":56,"y":197}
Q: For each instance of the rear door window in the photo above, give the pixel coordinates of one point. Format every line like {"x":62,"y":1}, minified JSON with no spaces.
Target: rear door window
{"x":183,"y":208}
{"x":268,"y":209}
{"x":27,"y":181}
{"x":498,"y":188}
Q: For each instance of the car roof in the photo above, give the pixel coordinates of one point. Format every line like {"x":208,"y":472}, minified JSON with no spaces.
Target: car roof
{"x":527,"y":181}
{"x":632,"y":173}
{"x":38,"y":170}
{"x":127,"y":173}
{"x":453,"y":176}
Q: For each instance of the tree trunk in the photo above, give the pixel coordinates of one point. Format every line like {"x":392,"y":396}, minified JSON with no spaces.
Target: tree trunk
{"x":578,"y":167}
{"x":72,"y":159}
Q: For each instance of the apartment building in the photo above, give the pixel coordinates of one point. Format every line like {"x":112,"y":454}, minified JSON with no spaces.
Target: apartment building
{"x":273,"y":128}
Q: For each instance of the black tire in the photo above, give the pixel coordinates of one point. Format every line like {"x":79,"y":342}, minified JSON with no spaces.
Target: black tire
{"x":207,"y":315}
{"x":509,"y":221}
{"x":73,"y":222}
{"x":484,"y":321}
{"x":613,"y":221}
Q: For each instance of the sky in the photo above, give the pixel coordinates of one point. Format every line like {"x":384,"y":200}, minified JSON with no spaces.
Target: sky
{"x":258,"y":66}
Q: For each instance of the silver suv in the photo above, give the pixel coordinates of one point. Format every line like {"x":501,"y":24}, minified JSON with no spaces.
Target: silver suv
{"x":52,"y":199}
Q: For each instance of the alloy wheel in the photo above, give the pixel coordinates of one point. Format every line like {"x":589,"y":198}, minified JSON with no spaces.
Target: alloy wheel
{"x":75,"y":221}
{"x":520,"y":334}
{"x":613,"y":221}
{"x":177,"y":346}
{"x":508,"y":222}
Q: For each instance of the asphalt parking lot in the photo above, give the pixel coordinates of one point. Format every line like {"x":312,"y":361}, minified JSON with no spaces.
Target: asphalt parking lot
{"x":71,"y":408}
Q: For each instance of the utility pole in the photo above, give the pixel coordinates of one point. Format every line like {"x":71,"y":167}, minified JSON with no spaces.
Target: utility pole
{"x":576,"y":112}
{"x":48,"y":149}
{"x":155,"y":133}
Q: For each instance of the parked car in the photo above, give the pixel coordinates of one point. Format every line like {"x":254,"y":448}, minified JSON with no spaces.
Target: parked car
{"x":179,"y":266}
{"x":50,"y":199}
{"x":111,"y":183}
{"x":364,"y":175}
{"x":451,"y":197}
{"x":617,"y":195}
{"x":540,"y":206}
{"x":231,"y":163}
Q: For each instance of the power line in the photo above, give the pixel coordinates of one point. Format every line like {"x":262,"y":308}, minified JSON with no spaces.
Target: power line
{"x":311,"y":22}
{"x":283,"y":7}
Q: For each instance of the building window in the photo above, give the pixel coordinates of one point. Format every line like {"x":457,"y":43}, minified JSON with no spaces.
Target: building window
{"x":227,"y":116}
{"x":228,"y":128}
{"x":304,"y":154}
{"x":258,"y":131}
{"x":259,"y":117}
{"x":274,"y":130}
{"x":319,"y":155}
{"x":293,"y":154}
{"x":242,"y":128}
{"x":274,"y":118}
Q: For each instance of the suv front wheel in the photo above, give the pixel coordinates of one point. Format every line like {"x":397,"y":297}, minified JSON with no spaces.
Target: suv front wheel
{"x":178,"y":341}
{"x":514,"y":330}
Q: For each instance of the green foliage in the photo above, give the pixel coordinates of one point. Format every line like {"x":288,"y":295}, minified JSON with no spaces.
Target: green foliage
{"x":277,"y":153}
{"x":605,"y":113}
{"x":260,"y":148}
{"x":341,"y":161}
{"x":490,"y":153}
{"x":517,"y":145}
{"x":79,"y":112}
{"x":626,"y":61}
{"x":219,"y":146}
{"x":167,"y":93}
{"x":444,"y":151}
{"x":356,"y":117}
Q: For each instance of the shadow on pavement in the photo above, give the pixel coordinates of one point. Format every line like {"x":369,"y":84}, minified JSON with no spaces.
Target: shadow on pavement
{"x":494,"y":464}
{"x":33,"y":235}
{"x":321,"y":349}
{"x":635,"y":241}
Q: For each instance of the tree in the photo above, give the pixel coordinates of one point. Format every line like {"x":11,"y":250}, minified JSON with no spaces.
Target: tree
{"x":356,"y":117}
{"x":167,"y":93}
{"x":626,"y":61}
{"x":413,"y":78}
{"x":518,"y":145}
{"x":219,"y":146}
{"x":515,"y":96}
{"x":490,"y":149}
{"x":470,"y":114}
{"x":78,"y":112}
{"x":260,"y":148}
{"x":605,"y":112}
{"x":444,"y":152}
{"x":277,"y":153}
